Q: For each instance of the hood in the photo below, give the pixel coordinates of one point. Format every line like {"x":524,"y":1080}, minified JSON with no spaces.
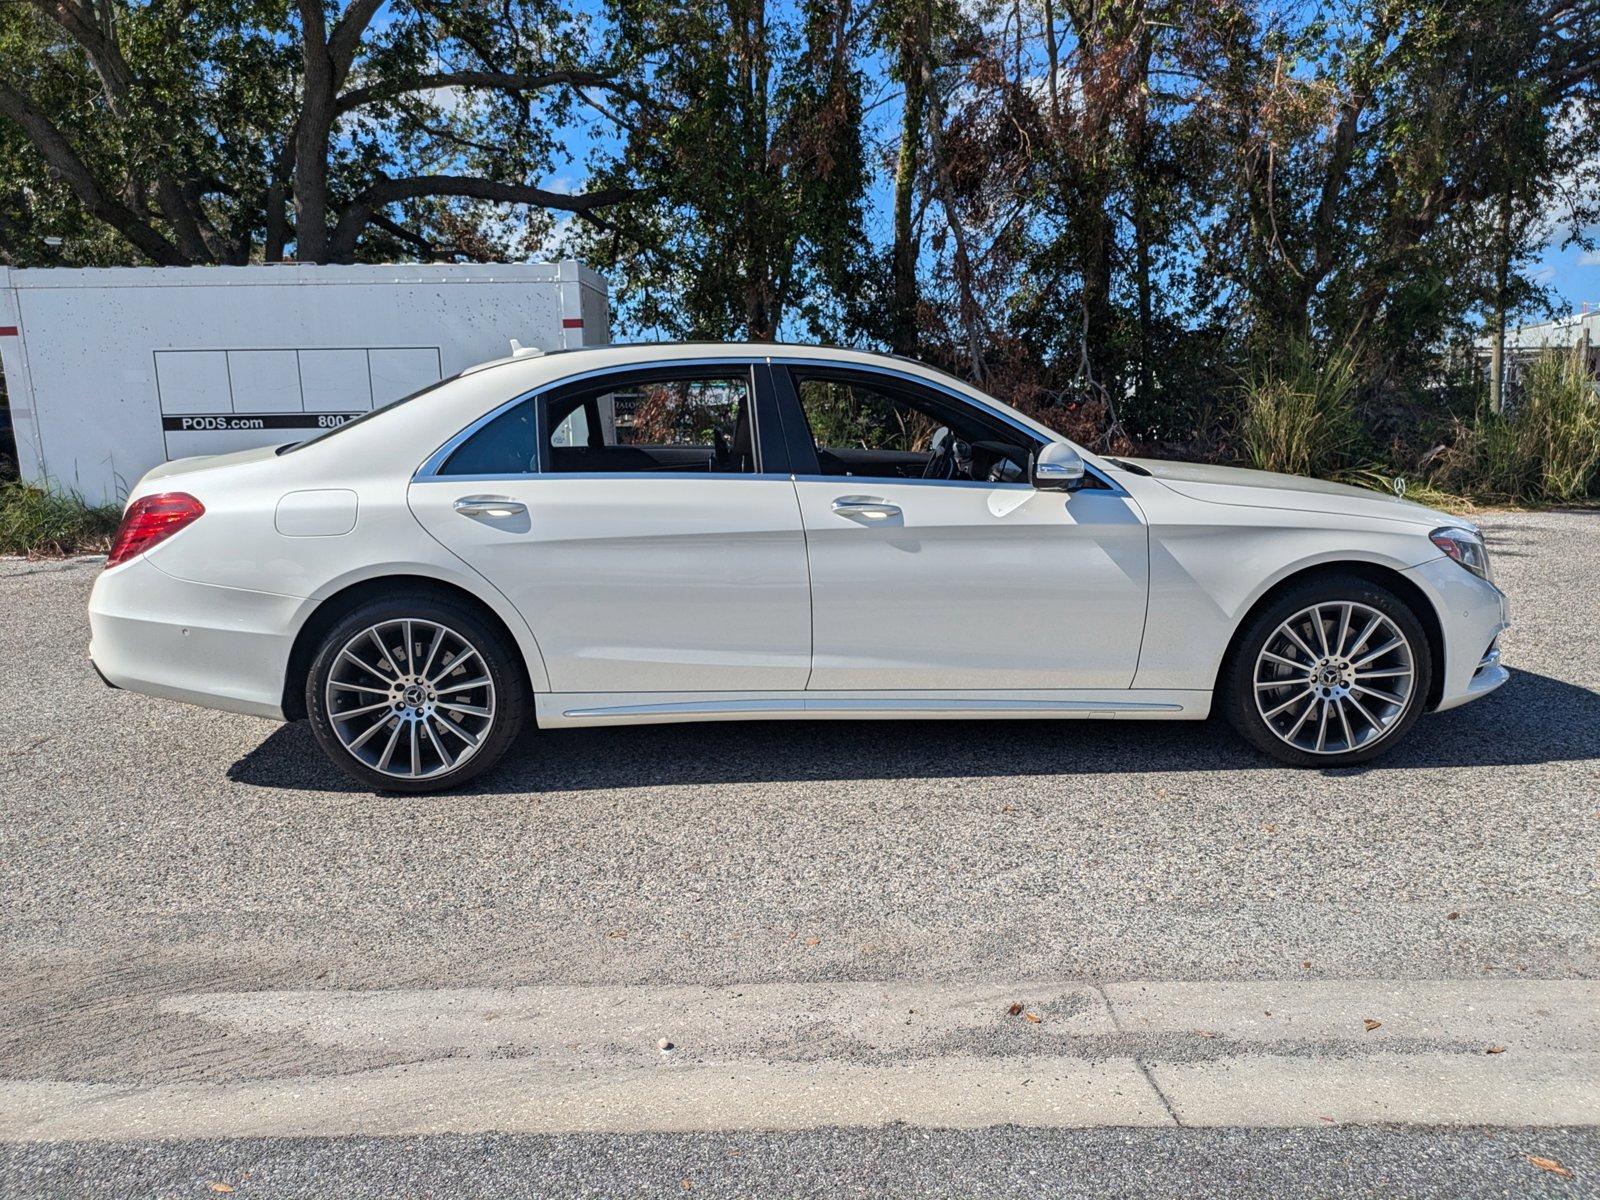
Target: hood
{"x":1267,"y":489}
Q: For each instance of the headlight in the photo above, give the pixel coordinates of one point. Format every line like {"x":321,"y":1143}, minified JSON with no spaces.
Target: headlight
{"x":1465,"y":546}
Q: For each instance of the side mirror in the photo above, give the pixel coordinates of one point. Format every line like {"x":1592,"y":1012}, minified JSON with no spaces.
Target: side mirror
{"x":1057,"y":468}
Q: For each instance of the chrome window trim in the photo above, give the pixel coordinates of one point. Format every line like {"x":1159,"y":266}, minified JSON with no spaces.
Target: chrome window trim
{"x":959,"y":397}
{"x":768,"y":476}
{"x":431,"y":465}
{"x":897,"y":481}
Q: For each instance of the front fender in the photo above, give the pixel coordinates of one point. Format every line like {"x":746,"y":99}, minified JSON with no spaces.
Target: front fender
{"x":1206,"y":574}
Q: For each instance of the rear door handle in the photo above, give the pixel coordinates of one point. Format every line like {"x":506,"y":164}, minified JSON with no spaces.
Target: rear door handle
{"x":869,"y":508}
{"x":489,"y":506}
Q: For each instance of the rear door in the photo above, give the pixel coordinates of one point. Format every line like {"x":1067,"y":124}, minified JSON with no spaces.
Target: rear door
{"x":935,"y":564}
{"x":636,"y":522}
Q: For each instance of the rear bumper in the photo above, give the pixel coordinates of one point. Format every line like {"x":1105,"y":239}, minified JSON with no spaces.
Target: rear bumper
{"x":217,"y":647}
{"x":1473,"y":613}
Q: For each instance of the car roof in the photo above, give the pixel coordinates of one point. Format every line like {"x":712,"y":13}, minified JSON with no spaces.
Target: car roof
{"x":622,"y":352}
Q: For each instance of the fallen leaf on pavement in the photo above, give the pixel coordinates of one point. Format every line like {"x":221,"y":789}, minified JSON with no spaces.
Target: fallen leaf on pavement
{"x":1015,"y":1010}
{"x":220,"y":1187}
{"x":1034,"y":1017}
{"x":617,"y":933}
{"x":1495,"y":1050}
{"x":1371,"y":1024}
{"x":813,"y":941}
{"x":1551,"y":1165}
{"x":1204,"y":1033}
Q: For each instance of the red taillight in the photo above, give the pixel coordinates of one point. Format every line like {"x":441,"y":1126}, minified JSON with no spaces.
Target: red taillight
{"x":151,"y":520}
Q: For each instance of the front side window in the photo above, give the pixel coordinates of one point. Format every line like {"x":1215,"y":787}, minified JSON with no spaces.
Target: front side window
{"x":676,"y":423}
{"x":873,"y":430}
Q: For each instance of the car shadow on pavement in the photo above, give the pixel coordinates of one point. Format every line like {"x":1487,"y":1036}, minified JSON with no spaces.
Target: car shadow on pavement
{"x":1532,"y":719}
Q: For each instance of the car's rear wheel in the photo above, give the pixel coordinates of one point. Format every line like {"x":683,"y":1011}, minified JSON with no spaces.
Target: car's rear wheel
{"x":1331,"y":673}
{"x":415,"y":694}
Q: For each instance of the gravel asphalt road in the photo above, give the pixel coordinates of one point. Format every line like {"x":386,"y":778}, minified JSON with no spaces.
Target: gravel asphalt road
{"x":162,"y":860}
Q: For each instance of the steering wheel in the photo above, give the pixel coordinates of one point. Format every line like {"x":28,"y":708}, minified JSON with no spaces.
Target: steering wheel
{"x":952,"y":458}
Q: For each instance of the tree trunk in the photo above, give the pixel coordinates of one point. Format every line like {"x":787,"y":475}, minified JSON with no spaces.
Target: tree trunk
{"x":914,"y":53}
{"x":971,"y":314}
{"x":311,"y":136}
{"x":1144,"y":388}
{"x":1502,"y":271}
{"x":1052,"y":66}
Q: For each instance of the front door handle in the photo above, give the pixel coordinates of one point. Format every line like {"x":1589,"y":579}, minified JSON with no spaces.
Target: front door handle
{"x":489,"y":506}
{"x":868,"y":508}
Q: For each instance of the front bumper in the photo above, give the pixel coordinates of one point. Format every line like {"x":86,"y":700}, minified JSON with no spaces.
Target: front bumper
{"x":1473,"y":613}
{"x":1489,"y":675}
{"x":218,"y":647}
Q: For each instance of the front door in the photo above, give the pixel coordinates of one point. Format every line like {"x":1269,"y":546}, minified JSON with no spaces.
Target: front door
{"x":629,"y":521}
{"x":935,"y":565}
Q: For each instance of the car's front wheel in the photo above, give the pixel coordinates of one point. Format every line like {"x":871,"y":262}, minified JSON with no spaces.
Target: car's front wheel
{"x":415,"y":693}
{"x":1333,"y":672}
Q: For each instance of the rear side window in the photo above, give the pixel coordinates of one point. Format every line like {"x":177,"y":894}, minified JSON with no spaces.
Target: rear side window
{"x":676,"y":423}
{"x":507,"y":445}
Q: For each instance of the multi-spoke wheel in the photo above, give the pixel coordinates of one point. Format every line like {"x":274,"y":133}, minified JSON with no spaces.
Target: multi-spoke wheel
{"x":1330,"y":673}
{"x":415,"y":696}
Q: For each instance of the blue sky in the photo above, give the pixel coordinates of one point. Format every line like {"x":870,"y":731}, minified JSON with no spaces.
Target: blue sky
{"x":1572,"y":274}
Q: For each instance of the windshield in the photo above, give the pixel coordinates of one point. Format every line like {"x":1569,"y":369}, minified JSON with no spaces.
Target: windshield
{"x":367,"y":416}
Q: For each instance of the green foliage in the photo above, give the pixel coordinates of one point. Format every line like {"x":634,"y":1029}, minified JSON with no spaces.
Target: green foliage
{"x":1101,"y":212}
{"x":1545,"y":448}
{"x":1297,"y":412}
{"x":140,"y":132}
{"x":749,"y":168}
{"x":36,"y":520}
{"x":841,"y":415}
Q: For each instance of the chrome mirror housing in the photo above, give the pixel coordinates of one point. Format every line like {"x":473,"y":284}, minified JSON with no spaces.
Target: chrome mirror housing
{"x":1057,"y":467}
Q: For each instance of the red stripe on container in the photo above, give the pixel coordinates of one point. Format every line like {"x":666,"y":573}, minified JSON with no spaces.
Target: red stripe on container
{"x":572,"y":322}
{"x":10,"y":331}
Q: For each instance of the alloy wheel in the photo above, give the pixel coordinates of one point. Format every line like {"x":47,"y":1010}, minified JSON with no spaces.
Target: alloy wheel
{"x":410,"y":698}
{"x":1334,"y":677}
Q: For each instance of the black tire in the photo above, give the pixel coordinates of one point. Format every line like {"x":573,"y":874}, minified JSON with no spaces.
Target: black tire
{"x":1238,"y":691}
{"x":505,"y":695}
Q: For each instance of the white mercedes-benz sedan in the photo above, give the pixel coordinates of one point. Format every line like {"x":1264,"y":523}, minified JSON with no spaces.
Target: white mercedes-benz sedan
{"x":626,"y":534}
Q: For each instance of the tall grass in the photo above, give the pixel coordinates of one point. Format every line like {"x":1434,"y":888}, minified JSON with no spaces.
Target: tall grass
{"x":1297,"y":411}
{"x":40,"y":521}
{"x":1544,"y":448}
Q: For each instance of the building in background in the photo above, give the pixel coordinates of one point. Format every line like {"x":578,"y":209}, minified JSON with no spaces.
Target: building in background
{"x":1524,"y":344}
{"x":113,"y":371}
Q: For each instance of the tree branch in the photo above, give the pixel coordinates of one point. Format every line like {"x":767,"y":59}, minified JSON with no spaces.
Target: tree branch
{"x":75,"y":173}
{"x":412,"y":237}
{"x":359,"y":211}
{"x":345,"y":39}
{"x":504,"y":81}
